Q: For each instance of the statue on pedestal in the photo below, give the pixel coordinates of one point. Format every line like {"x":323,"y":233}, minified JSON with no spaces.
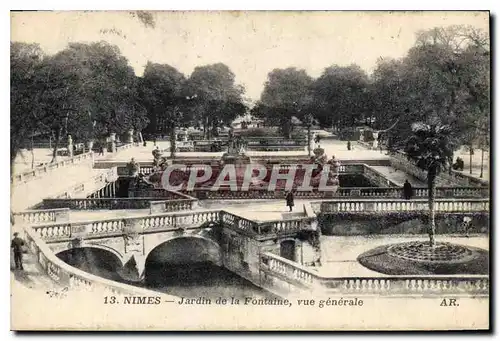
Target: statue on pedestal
{"x":70,"y":146}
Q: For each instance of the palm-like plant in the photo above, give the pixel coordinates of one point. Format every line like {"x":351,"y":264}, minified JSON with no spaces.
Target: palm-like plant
{"x":431,"y":147}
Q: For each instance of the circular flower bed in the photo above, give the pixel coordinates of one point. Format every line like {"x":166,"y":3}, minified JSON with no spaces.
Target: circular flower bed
{"x":419,"y":258}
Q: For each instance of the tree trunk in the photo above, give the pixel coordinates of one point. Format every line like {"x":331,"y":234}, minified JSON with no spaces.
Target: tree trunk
{"x":309,"y":140}
{"x":56,"y":145}
{"x":471,"y":150}
{"x":172,"y":142}
{"x":431,"y":184}
{"x":482,"y":163}
{"x":33,"y":153}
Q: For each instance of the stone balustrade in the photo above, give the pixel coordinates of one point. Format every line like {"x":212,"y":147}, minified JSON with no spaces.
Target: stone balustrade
{"x":172,"y":205}
{"x":377,"y":178}
{"x":42,"y":216}
{"x":309,"y":279}
{"x":157,"y":193}
{"x":53,"y":232}
{"x":240,"y":223}
{"x":126,"y":146}
{"x":418,"y":192}
{"x":91,"y":185}
{"x":401,"y":205}
{"x":343,"y":192}
{"x":75,"y":279}
{"x":38,"y":172}
{"x":399,"y":161}
{"x":99,"y":203}
{"x":288,"y":226}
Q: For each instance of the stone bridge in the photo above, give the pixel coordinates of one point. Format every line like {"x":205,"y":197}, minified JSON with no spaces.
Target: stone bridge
{"x":211,"y":235}
{"x":277,"y":255}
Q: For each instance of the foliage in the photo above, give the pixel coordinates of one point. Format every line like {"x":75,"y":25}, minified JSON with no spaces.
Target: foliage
{"x":286,"y":94}
{"x":431,"y":148}
{"x":340,"y":95}
{"x":218,"y":100}
{"x":25,"y":61}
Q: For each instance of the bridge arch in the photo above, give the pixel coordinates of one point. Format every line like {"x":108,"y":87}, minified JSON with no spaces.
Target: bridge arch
{"x":180,"y":257}
{"x":98,"y":260}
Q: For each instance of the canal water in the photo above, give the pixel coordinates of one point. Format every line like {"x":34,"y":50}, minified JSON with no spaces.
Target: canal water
{"x":183,"y":280}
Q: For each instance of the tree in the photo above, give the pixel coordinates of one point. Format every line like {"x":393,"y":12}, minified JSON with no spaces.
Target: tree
{"x":89,"y":91}
{"x":340,"y":94}
{"x":218,"y":99}
{"x":287,"y":93}
{"x":163,"y":94}
{"x":431,"y":149}
{"x":25,"y":62}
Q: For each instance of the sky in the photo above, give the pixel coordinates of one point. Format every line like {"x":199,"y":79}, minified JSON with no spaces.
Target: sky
{"x":250,"y":43}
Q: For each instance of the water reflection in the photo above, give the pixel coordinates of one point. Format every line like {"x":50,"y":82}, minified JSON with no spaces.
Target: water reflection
{"x":199,"y":279}
{"x":183,"y":280}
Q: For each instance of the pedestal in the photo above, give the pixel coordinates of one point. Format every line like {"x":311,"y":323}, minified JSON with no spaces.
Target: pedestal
{"x":112,"y":143}
{"x":130,"y":136}
{"x":70,"y":146}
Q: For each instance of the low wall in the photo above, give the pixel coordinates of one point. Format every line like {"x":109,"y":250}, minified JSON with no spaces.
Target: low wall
{"x":40,"y":172}
{"x":411,"y":223}
{"x":280,"y":275}
{"x":75,"y":279}
{"x":42,"y":216}
{"x":172,"y":205}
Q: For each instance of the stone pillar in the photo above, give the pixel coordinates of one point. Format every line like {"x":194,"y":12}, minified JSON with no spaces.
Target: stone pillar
{"x":130,"y":136}
{"x":90,"y":145}
{"x":375,"y":140}
{"x":112,"y":143}
{"x":70,"y":146}
{"x":361,"y":135}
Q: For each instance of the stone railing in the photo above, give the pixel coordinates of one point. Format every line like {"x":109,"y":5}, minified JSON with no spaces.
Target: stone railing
{"x":94,"y":183}
{"x":157,"y":193}
{"x":39,"y":172}
{"x":401,"y":162}
{"x":54,"y":232}
{"x":125,"y":147}
{"x":288,"y":226}
{"x":99,"y":203}
{"x":467,"y":178}
{"x":42,"y":216}
{"x":378,"y":178}
{"x":401,"y":205}
{"x":276,"y":148}
{"x":342,"y":192}
{"x":418,"y":192}
{"x":281,"y":269}
{"x":240,"y":223}
{"x":143,"y":169}
{"x":75,"y":279}
{"x":172,"y":205}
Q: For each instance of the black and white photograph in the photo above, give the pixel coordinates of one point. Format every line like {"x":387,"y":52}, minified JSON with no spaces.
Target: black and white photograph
{"x":250,"y":170}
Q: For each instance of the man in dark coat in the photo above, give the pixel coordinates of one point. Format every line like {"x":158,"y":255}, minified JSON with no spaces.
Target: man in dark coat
{"x":289,"y":200}
{"x":17,"y":246}
{"x":407,"y":190}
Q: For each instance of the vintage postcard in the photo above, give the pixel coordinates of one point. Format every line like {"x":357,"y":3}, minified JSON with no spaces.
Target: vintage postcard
{"x":250,"y":170}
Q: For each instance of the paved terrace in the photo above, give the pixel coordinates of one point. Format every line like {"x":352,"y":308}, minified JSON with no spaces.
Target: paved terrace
{"x":332,"y":147}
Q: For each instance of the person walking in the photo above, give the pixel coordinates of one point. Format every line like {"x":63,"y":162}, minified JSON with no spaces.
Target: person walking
{"x":17,"y":245}
{"x":289,"y":200}
{"x":407,"y":190}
